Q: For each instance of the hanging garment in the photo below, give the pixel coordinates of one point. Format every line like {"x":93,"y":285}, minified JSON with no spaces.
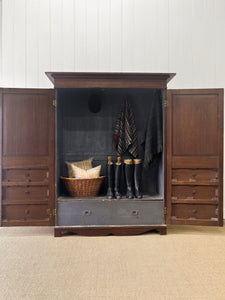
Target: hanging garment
{"x":153,"y":137}
{"x":125,"y":132}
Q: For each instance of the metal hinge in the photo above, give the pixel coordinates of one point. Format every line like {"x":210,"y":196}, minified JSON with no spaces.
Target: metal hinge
{"x":165,"y":210}
{"x":165,"y":103}
{"x":54,"y":212}
{"x":54,"y":102}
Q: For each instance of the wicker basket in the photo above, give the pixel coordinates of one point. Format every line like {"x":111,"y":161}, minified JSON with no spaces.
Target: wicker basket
{"x":83,"y":187}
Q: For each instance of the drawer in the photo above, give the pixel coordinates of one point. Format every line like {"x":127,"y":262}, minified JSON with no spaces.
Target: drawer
{"x":194,"y":175}
{"x":27,"y":193}
{"x":194,"y":192}
{"x":25,"y":212}
{"x":194,"y":211}
{"x":98,"y":212}
{"x":25,"y":175}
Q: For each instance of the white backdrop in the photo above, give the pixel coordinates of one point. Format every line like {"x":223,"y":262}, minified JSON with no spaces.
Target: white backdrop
{"x":182,"y":36}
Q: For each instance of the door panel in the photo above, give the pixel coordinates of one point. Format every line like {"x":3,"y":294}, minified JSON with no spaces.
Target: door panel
{"x":27,"y":156}
{"x":194,"y":129}
{"x":195,"y":125}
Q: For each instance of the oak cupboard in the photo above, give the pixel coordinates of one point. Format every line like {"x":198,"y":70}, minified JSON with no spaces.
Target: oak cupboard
{"x":41,"y":129}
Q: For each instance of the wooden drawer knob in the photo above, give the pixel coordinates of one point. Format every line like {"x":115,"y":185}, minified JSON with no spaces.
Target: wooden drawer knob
{"x":26,"y":211}
{"x":27,"y":192}
{"x":194,"y":192}
{"x":194,"y":211}
{"x":194,"y":175}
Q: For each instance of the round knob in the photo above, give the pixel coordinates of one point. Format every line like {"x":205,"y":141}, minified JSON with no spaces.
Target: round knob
{"x":194,"y":192}
{"x":194,"y":174}
{"x":26,"y":211}
{"x":27,"y":192}
{"x":194,"y":211}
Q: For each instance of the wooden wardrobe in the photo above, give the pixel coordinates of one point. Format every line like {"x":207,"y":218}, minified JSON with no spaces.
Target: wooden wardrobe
{"x":191,"y":162}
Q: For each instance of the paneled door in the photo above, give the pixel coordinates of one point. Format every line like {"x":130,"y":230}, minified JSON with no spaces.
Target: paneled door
{"x":195,"y":157}
{"x":27,"y":157}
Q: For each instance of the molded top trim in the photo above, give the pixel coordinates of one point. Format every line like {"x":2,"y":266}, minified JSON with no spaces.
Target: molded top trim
{"x":109,"y":80}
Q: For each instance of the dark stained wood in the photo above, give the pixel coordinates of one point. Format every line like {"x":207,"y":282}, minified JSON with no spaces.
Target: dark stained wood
{"x":26,"y":127}
{"x":109,"y":80}
{"x":165,"y":153}
{"x":26,"y":162}
{"x":1,"y":157}
{"x":195,"y":176}
{"x":168,"y":161}
{"x":220,"y":153}
{"x":109,"y":230}
{"x":28,"y":222}
{"x":195,"y":162}
{"x":194,"y":222}
{"x":195,"y":124}
{"x":27,"y":193}
{"x":51,"y":162}
{"x":23,"y":212}
{"x":195,"y":150}
{"x":194,"y":192}
{"x":28,"y":156}
{"x":25,"y":175}
{"x":196,"y":211}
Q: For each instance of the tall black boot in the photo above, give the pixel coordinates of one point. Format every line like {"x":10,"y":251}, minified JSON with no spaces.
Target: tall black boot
{"x":137,"y":178}
{"x":110,"y":178}
{"x":118,"y":168}
{"x":128,"y":166}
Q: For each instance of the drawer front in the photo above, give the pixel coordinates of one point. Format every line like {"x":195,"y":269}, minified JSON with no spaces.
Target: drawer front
{"x":25,"y":175}
{"x":25,"y":212}
{"x":194,"y":192}
{"x":193,"y":175}
{"x":71,"y":213}
{"x":195,"y":211}
{"x":25,"y":193}
{"x":136,"y":213}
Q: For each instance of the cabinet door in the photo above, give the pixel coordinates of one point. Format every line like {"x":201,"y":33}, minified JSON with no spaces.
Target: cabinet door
{"x":27,"y":156}
{"x":194,"y":130}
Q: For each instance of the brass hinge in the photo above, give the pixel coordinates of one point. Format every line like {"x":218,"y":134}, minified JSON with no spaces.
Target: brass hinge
{"x":165,"y":103}
{"x":54,"y":212}
{"x":54,"y":102}
{"x":165,"y":210}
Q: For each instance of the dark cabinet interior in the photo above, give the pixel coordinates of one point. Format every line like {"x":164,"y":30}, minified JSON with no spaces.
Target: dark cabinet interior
{"x":82,"y":134}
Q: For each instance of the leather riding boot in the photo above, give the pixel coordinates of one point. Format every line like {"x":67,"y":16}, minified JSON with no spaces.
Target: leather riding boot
{"x":128,"y":166}
{"x":118,"y":168}
{"x":110,"y":178}
{"x":137,"y":178}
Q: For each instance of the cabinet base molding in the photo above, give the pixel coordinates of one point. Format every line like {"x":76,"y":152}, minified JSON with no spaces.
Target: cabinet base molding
{"x":109,"y":230}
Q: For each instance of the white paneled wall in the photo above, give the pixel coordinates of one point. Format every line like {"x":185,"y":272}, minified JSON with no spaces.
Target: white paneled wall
{"x":182,"y":36}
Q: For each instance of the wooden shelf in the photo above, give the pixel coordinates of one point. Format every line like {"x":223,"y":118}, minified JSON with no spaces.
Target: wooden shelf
{"x":103,"y":198}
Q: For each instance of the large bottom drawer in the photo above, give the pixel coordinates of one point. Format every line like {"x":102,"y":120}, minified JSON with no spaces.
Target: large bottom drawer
{"x":114,"y":212}
{"x":25,"y":212}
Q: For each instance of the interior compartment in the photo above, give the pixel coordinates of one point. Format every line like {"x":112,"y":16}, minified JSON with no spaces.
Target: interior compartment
{"x":82,"y":133}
